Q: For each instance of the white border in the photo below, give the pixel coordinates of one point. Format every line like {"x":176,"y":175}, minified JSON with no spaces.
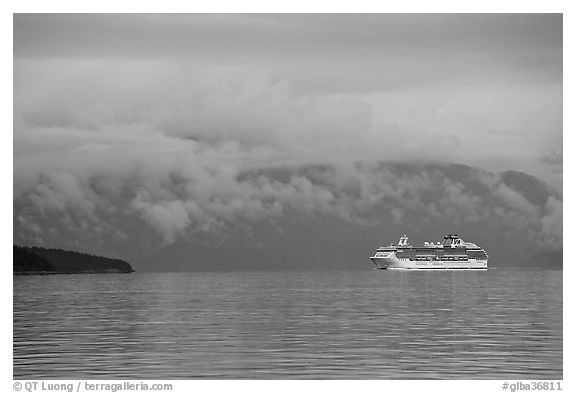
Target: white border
{"x":438,"y":6}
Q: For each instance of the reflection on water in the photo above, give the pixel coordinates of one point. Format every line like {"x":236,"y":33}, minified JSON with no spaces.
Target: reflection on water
{"x":497,"y":324}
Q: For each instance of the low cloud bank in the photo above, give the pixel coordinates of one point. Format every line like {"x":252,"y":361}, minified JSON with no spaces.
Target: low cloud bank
{"x":137,"y":151}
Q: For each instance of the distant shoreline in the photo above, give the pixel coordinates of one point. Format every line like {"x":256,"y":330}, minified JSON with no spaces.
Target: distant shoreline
{"x":47,"y":273}
{"x":48,"y":261}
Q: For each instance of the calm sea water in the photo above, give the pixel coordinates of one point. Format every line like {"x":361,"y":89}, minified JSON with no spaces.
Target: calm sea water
{"x":497,"y":324}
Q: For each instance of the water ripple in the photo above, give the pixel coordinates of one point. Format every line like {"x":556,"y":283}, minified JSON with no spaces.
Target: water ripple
{"x":349,"y":325}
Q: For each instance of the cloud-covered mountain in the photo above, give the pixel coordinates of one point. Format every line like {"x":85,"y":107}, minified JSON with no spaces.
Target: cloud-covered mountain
{"x":314,"y":217}
{"x":359,"y":208}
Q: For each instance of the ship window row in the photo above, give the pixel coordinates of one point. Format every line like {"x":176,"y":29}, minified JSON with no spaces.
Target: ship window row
{"x":457,"y":258}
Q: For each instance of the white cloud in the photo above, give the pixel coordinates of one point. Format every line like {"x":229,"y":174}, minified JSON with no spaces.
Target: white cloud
{"x":552,"y":224}
{"x":189,"y":144}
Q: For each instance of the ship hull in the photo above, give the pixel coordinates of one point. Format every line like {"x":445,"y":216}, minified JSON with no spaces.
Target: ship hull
{"x":393,"y":263}
{"x":452,"y":254}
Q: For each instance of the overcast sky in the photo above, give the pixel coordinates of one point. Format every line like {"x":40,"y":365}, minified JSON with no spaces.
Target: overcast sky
{"x":489,"y":84}
{"x":101,"y":96}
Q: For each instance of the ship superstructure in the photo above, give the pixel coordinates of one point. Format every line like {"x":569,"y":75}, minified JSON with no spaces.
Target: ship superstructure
{"x":451,"y":253}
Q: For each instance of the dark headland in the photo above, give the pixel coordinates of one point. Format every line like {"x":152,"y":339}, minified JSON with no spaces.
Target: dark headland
{"x":38,"y":260}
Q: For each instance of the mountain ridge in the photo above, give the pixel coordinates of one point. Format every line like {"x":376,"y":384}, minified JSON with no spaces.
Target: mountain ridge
{"x":324,"y":242}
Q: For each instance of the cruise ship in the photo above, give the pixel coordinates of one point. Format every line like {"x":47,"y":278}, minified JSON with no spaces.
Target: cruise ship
{"x":451,"y":254}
